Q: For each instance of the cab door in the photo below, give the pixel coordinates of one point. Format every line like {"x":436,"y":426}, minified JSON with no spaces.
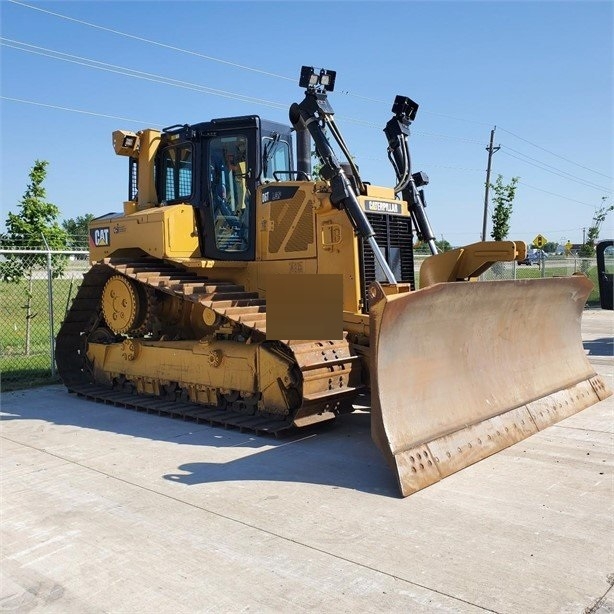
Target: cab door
{"x":227,"y":212}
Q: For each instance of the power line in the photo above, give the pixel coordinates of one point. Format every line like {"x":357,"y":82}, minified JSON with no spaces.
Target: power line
{"x":553,"y":167}
{"x":105,"y":115}
{"x":555,"y":154}
{"x":130,"y":72}
{"x":272,"y":74}
{"x":177,"y":83}
{"x":573,"y":200}
{"x":210,"y":57}
{"x":138,"y":74}
{"x":159,"y":125}
{"x":151,"y":42}
{"x":561,"y":174}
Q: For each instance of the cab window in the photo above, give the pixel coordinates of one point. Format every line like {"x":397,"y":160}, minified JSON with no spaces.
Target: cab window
{"x":177,"y":169}
{"x":275,"y":157}
{"x":230,"y":195}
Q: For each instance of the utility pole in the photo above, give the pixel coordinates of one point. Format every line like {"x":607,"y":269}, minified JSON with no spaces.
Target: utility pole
{"x":491,"y":150}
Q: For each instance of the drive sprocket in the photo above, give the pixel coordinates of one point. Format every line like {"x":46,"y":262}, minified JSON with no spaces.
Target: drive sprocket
{"x":124,"y":304}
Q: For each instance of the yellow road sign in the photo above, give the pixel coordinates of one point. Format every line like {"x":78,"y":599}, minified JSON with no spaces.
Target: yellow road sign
{"x":540,"y":241}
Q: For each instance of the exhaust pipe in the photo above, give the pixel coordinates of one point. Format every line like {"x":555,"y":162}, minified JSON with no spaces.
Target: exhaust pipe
{"x":303,"y":152}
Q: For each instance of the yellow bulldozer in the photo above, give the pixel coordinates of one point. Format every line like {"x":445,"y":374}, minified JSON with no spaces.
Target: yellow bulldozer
{"x":238,"y":290}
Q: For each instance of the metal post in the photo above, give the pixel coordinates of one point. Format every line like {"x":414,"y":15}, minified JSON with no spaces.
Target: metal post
{"x":72,"y":281}
{"x":542,"y":263}
{"x":50,"y":307}
{"x":491,"y":150}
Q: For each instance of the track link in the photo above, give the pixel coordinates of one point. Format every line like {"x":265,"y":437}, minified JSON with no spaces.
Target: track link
{"x":331,"y":377}
{"x":185,"y":411}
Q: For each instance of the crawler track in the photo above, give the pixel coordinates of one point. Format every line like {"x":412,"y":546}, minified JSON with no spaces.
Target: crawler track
{"x":330,"y":373}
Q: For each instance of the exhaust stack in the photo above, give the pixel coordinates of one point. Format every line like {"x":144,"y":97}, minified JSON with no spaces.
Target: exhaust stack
{"x":303,"y":152}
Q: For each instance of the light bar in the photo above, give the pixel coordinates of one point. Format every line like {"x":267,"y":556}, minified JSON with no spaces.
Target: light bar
{"x":317,"y":79}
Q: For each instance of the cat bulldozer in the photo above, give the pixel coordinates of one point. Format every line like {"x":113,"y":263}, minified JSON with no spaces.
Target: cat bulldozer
{"x":238,"y":289}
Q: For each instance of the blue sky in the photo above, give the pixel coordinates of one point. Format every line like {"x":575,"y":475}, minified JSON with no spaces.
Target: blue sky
{"x":542,"y":72}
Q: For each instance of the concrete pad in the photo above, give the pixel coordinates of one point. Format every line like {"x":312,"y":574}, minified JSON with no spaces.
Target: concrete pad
{"x":110,"y":510}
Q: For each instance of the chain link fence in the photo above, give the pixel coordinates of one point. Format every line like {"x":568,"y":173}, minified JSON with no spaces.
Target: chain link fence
{"x":553,"y":266}
{"x":34,"y":304}
{"x":547,"y":267}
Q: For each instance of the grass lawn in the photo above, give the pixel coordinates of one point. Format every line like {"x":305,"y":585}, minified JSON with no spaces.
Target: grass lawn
{"x":533,"y":272}
{"x":22,"y":366}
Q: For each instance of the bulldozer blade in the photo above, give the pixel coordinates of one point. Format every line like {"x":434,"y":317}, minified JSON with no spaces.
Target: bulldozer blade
{"x":462,"y":370}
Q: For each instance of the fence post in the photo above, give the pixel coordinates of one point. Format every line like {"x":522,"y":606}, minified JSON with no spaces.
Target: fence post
{"x":50,"y":307}
{"x":542,"y":264}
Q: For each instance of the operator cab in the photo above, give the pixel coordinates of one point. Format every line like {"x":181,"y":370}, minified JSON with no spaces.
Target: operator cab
{"x":216,"y":167}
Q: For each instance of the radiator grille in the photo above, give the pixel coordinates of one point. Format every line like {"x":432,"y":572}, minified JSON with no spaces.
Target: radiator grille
{"x":283,"y":215}
{"x":393,"y":234}
{"x":303,"y":235}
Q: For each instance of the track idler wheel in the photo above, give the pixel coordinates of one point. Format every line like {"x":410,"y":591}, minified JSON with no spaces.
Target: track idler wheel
{"x":124,"y":304}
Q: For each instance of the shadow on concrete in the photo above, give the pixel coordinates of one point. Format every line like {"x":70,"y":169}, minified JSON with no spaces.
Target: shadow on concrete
{"x":600,"y":347}
{"x":340,"y":454}
{"x":56,"y":405}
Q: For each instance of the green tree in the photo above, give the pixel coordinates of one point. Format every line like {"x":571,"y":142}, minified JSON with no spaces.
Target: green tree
{"x":35,"y":226}
{"x":592,"y":234}
{"x":421,"y":247}
{"x":443,"y":245}
{"x":316,"y":165}
{"x":503,"y":200}
{"x":77,"y":230}
{"x":550,"y":247}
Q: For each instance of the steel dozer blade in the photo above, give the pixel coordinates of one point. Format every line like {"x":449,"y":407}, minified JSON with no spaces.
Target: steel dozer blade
{"x":462,"y":370}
